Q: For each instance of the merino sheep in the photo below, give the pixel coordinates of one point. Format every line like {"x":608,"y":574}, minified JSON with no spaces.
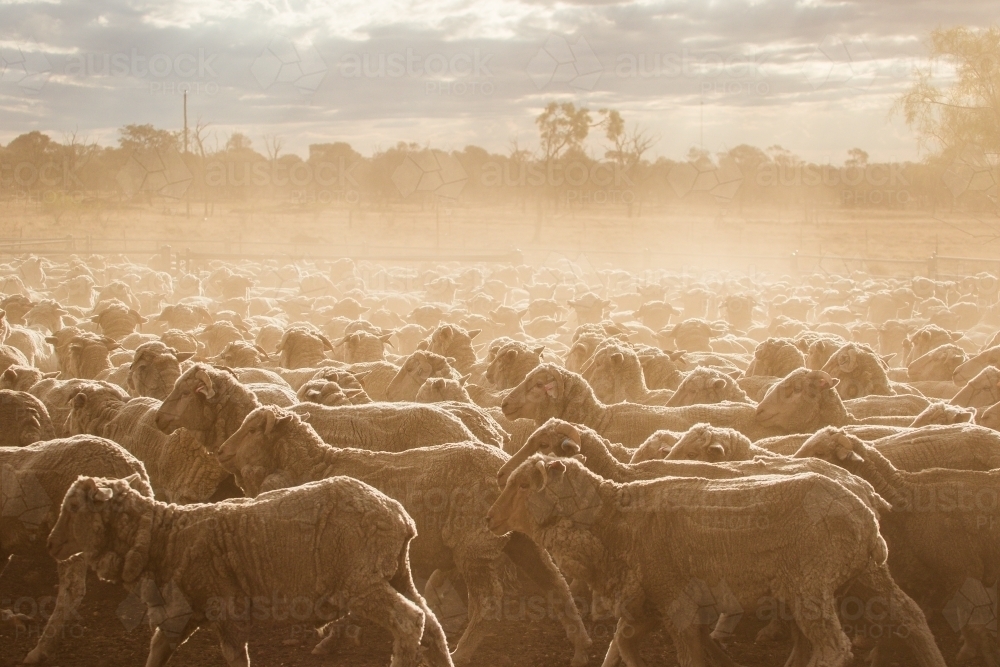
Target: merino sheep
{"x":624,"y":541}
{"x":181,"y":561}
{"x":704,"y":442}
{"x":275,"y":448}
{"x":704,"y":386}
{"x":415,"y":370}
{"x":937,"y":542}
{"x":23,"y":419}
{"x":154,"y":369}
{"x":35,"y":478}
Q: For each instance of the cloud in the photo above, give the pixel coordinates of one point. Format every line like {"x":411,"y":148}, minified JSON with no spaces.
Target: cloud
{"x":452,"y":74}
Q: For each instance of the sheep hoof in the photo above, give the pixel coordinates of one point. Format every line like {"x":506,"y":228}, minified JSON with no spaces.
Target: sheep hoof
{"x":580,"y":659}
{"x":34,"y":657}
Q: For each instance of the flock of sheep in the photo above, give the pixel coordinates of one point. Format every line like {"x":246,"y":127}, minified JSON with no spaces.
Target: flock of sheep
{"x":818,"y":453}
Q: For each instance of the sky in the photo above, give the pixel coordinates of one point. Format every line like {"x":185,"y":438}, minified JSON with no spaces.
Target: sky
{"x":815,"y":77}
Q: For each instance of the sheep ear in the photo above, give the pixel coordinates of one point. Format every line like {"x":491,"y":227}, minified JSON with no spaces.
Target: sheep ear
{"x":133,"y":480}
{"x":422,"y":345}
{"x":184,"y":356}
{"x":569,"y":448}
{"x":102,"y":494}
{"x":538,"y":351}
{"x":79,"y":401}
{"x":465,"y":378}
{"x":716,"y":449}
{"x":844,"y":454}
{"x":553,"y":471}
{"x":51,"y":340}
{"x":617,"y":357}
{"x":718,"y":383}
{"x":474,"y":333}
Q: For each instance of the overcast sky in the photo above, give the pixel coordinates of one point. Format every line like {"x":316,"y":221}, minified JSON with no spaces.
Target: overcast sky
{"x":816,"y":77}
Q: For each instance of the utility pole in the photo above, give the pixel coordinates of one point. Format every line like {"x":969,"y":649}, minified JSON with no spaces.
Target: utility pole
{"x":185,"y":121}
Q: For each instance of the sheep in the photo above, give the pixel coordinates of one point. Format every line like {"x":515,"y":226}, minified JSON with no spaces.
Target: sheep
{"x":303,"y":348}
{"x":624,"y":541}
{"x":820,"y":351}
{"x":704,"y":442}
{"x":116,"y":320}
{"x":35,"y":479}
{"x":656,"y":446}
{"x":615,"y":374}
{"x":436,"y":390}
{"x":981,"y":391}
{"x":776,"y":357}
{"x":185,"y":317}
{"x":347,"y":381}
{"x":662,"y":370}
{"x":217,"y":335}
{"x":23,"y":419}
{"x":154,"y":369}
{"x":861,"y":372}
{"x":943,"y":413}
{"x":693,"y":335}
{"x":415,"y":370}
{"x":454,"y":342}
{"x":937,"y":539}
{"x":16,"y":306}
{"x":511,"y":362}
{"x":31,"y":343}
{"x":805,"y":401}
{"x":939,"y":364}
{"x":589,"y":308}
{"x":925,"y":339}
{"x":968,"y":370}
{"x":181,"y":341}
{"x":149,"y":547}
{"x":552,"y":391}
{"x":738,"y":310}
{"x":22,"y":378}
{"x":84,"y":355}
{"x":323,"y":392}
{"x":363,"y":346}
{"x":704,"y":385}
{"x":275,"y":448}
{"x":212,"y":404}
{"x":180,"y":469}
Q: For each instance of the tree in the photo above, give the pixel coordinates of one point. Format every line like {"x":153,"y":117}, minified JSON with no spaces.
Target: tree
{"x":856,"y":158}
{"x":627,"y":148}
{"x":146,"y":137}
{"x":238,"y":141}
{"x":562,"y":129}
{"x":967,"y":111}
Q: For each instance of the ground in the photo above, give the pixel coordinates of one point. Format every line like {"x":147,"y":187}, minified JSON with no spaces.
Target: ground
{"x":99,"y":637}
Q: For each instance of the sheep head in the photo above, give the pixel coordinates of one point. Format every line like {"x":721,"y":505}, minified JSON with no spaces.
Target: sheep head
{"x":833,"y":445}
{"x":417,"y":368}
{"x":704,"y":442}
{"x":251,"y":453}
{"x":553,"y":438}
{"x":796,"y":403}
{"x":542,"y":394}
{"x":543,"y":490}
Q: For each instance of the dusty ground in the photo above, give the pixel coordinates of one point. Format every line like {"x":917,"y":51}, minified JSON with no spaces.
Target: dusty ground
{"x":98,"y":637}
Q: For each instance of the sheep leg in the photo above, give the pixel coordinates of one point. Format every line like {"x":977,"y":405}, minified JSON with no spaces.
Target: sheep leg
{"x":483,"y":582}
{"x":820,"y":625}
{"x":774,"y":631}
{"x":434,"y":638}
{"x":628,"y":635}
{"x":162,"y":647}
{"x":613,"y":656}
{"x":537,"y":564}
{"x":72,"y":587}
{"x":714,"y":653}
{"x":799,"y":656}
{"x":977,"y":644}
{"x":385,"y":606}
{"x":903,"y":613}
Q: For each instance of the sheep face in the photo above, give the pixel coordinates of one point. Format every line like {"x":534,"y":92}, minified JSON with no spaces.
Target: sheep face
{"x":795,"y":403}
{"x":21,"y":419}
{"x":362,"y":346}
{"x":544,"y":490}
{"x":606,"y":370}
{"x":216,"y":336}
{"x":537,"y":395}
{"x":708,"y":386}
{"x":154,"y":370}
{"x":302,"y":348}
{"x":241,"y":354}
{"x":861,"y":372}
{"x":414,"y":372}
{"x":939,"y":364}
{"x":990,"y":417}
{"x":89,"y":355}
{"x":702,"y":442}
{"x":249,"y":453}
{"x":20,"y":378}
{"x":436,"y":390}
{"x":657,"y":446}
{"x":324,"y":392}
{"x":832,"y":445}
{"x":553,"y":438}
{"x":185,"y":405}
{"x":81,"y":526}
{"x":511,"y":363}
